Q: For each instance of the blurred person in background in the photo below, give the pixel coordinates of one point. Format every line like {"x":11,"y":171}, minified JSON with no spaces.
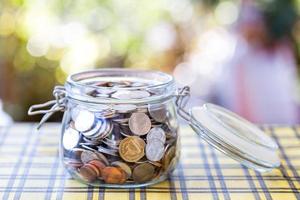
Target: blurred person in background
{"x":259,"y":81}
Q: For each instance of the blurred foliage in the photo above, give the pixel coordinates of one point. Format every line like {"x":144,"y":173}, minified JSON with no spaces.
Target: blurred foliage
{"x":43,"y":41}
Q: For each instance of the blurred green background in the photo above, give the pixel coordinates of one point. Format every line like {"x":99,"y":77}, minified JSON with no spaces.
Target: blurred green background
{"x":43,"y":41}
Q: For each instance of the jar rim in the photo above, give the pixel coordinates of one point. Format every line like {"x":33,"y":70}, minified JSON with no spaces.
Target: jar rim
{"x":71,"y":79}
{"x":76,"y":87}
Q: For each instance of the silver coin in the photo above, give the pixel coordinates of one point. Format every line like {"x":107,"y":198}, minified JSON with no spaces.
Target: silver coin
{"x":102,"y":95}
{"x":154,"y":150}
{"x":84,"y":121}
{"x":124,"y":108}
{"x":156,"y":133}
{"x":70,"y":138}
{"x":93,"y":131}
{"x":126,"y":95}
{"x":139,"y":123}
{"x":87,"y":156}
{"x":107,"y":113}
{"x":107,"y":151}
{"x":74,"y":112}
{"x":121,"y":120}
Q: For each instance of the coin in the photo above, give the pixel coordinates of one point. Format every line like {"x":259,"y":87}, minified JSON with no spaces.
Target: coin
{"x":107,"y":151}
{"x":169,"y":155}
{"x":139,"y":94}
{"x":99,"y":165}
{"x":131,"y":149}
{"x":101,"y":157}
{"x":73,"y":163}
{"x":157,"y":133}
{"x":114,"y":175}
{"x":139,"y":123}
{"x":124,"y":108}
{"x":127,"y":95}
{"x":88,"y":172}
{"x":158,"y":112}
{"x":93,"y":131}
{"x":70,"y":138}
{"x":143,"y":172}
{"x":87,"y":156}
{"x":154,"y":150}
{"x":75,"y":153}
{"x":123,"y":166}
{"x":84,"y":120}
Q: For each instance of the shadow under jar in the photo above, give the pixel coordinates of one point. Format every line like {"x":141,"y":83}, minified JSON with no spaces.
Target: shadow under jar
{"x":120,"y":128}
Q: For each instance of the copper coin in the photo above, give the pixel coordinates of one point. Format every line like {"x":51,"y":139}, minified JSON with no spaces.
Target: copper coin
{"x":123,"y":166}
{"x":143,"y":173}
{"x":88,"y":173}
{"x":155,"y":150}
{"x":98,"y":164}
{"x":158,"y":112}
{"x":114,"y":175}
{"x":139,"y":123}
{"x":131,"y":149}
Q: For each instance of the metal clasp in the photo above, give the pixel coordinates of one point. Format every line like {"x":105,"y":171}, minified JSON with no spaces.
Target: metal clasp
{"x":59,"y":104}
{"x":182,"y":99}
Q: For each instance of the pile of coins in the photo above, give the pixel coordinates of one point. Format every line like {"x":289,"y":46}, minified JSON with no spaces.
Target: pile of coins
{"x":120,"y":143}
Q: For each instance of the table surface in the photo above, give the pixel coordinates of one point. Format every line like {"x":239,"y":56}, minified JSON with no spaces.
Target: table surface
{"x":30,"y":169}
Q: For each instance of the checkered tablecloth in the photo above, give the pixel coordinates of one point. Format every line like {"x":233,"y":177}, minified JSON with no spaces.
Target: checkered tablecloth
{"x":30,"y":169}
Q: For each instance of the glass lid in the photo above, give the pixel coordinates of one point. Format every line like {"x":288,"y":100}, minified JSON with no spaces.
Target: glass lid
{"x":235,"y":136}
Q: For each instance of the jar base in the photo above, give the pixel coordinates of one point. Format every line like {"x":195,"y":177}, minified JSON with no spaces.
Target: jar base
{"x":100,"y":184}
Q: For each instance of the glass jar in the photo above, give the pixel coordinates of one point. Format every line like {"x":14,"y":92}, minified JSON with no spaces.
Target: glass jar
{"x":120,"y":128}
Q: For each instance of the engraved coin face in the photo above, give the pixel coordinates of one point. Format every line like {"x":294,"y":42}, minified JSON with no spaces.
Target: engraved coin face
{"x":156,"y":133}
{"x":84,"y":120}
{"x":158,"y":112}
{"x":139,"y":123}
{"x":71,"y":138}
{"x":143,"y":172}
{"x":154,"y":150}
{"x":131,"y":149}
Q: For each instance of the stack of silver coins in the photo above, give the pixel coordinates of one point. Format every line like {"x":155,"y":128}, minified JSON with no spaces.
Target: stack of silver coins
{"x":120,"y":143}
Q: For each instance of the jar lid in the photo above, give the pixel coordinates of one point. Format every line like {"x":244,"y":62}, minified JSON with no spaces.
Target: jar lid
{"x":235,"y":136}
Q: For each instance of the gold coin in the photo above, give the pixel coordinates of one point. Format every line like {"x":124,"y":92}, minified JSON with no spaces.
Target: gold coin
{"x":169,"y":155}
{"x":139,"y":123}
{"x":143,"y":173}
{"x":131,"y":149}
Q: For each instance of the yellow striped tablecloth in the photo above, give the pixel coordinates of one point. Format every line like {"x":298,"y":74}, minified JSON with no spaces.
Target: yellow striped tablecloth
{"x":30,"y":169}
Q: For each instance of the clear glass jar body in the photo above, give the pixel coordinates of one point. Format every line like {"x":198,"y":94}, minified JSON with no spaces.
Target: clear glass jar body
{"x":123,"y":133}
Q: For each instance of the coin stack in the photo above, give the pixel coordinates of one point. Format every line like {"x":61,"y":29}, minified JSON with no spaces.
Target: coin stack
{"x":120,"y":143}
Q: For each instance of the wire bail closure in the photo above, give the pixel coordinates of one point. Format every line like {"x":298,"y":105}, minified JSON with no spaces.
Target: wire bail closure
{"x":59,"y":104}
{"x":182,"y":99}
